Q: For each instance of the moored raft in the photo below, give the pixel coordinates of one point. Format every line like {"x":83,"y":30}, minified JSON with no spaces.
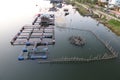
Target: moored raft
{"x":27,"y":33}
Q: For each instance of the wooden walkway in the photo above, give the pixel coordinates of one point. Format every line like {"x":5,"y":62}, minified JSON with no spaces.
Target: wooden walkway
{"x":76,"y":59}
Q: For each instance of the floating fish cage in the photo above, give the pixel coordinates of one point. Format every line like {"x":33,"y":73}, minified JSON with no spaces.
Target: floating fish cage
{"x":34,"y":34}
{"x":33,"y":53}
{"x":36,"y":38}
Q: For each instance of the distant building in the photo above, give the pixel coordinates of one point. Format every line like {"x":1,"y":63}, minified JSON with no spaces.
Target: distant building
{"x":114,"y":2}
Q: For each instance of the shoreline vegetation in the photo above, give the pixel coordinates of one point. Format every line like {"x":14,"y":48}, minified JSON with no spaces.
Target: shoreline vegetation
{"x":112,"y":24}
{"x":82,"y":10}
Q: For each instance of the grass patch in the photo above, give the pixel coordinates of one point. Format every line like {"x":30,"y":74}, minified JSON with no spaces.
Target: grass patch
{"x":114,"y":25}
{"x":82,"y":10}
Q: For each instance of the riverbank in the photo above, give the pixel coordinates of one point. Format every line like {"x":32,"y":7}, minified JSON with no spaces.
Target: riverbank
{"x":112,"y":24}
{"x":83,"y":11}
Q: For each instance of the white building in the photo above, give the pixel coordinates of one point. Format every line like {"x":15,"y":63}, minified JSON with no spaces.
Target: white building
{"x":114,"y":3}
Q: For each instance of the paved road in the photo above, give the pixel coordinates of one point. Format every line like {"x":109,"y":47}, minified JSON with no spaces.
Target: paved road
{"x":98,"y":11}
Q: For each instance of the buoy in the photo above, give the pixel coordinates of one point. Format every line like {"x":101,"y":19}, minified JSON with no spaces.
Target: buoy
{"x":28,"y":43}
{"x":20,"y":58}
{"x":24,"y":49}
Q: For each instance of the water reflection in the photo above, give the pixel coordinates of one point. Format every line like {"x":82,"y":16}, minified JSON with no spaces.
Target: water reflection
{"x":64,"y":48}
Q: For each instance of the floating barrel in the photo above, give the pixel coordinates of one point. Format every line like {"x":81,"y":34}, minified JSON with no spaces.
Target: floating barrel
{"x":28,"y":43}
{"x":20,"y":58}
{"x":24,"y":49}
{"x":48,"y":36}
{"x":46,"y":43}
{"x":33,"y":57}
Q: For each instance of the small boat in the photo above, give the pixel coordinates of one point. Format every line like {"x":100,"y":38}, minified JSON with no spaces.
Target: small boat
{"x":66,"y":13}
{"x":66,"y":9}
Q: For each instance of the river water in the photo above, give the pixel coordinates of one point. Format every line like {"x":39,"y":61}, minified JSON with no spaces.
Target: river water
{"x":15,"y":14}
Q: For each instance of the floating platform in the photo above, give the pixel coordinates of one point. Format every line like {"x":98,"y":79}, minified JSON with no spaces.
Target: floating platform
{"x":34,"y":34}
{"x":43,"y":19}
{"x":35,"y":51}
{"x":33,"y":54}
{"x":36,"y":37}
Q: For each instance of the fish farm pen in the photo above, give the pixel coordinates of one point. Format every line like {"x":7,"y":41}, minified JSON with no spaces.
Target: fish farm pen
{"x":109,"y":54}
{"x":37,"y":37}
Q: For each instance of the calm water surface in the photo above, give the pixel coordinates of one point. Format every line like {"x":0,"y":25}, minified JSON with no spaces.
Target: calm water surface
{"x":13,"y":17}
